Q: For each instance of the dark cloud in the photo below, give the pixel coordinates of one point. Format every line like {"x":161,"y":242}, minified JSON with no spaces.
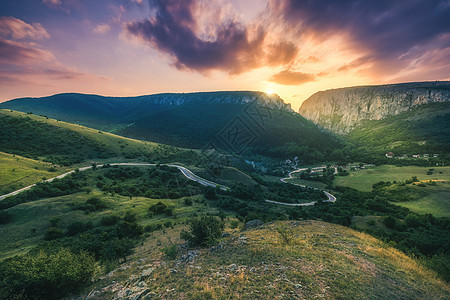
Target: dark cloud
{"x":287,"y":77}
{"x":385,"y":28}
{"x":234,"y":47}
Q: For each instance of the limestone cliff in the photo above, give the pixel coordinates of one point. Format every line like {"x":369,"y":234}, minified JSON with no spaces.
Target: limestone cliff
{"x":340,"y":110}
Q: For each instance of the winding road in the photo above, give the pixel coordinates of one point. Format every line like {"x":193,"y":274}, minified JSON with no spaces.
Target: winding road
{"x":331,"y":198}
{"x":188,"y":174}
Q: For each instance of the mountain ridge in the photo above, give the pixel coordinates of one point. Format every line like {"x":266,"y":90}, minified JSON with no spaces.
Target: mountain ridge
{"x":341,"y":110}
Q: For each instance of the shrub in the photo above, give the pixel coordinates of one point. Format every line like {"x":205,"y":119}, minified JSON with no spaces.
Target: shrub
{"x":204,"y":231}
{"x":45,"y":275}
{"x":188,"y":201}
{"x":286,"y":234}
{"x":109,"y":220}
{"x":234,"y":224}
{"x":170,"y":252}
{"x":161,"y":208}
{"x":210,"y":193}
{"x":130,"y":216}
{"x":390,"y":222}
{"x":5,"y":217}
{"x":53,"y":233}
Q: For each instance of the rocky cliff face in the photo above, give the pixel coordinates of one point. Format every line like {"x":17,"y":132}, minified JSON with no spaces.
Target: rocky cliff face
{"x":340,"y":110}
{"x":229,"y":97}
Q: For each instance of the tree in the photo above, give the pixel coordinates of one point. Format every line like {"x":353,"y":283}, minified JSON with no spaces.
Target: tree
{"x":204,"y":231}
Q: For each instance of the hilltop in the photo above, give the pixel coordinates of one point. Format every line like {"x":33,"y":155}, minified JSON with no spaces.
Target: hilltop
{"x":321,"y":260}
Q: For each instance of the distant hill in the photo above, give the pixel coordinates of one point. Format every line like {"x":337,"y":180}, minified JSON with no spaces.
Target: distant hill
{"x":341,"y":110}
{"x":58,"y":142}
{"x":232,"y":121}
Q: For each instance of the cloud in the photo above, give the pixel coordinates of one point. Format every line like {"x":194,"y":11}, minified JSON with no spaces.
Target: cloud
{"x":11,"y":27}
{"x":24,"y":61}
{"x":287,"y":77}
{"x":201,"y":36}
{"x":102,"y":28}
{"x":388,"y":34}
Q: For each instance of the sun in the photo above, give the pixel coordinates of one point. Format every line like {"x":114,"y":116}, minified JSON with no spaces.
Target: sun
{"x":269,"y":91}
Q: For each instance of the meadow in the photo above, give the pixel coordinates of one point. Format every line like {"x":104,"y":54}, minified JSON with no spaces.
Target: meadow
{"x":17,"y":172}
{"x":364,"y":179}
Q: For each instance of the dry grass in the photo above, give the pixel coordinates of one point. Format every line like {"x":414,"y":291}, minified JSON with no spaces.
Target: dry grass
{"x":322,"y":261}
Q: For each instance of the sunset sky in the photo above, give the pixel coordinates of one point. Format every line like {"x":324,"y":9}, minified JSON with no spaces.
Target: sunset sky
{"x":292,"y":48}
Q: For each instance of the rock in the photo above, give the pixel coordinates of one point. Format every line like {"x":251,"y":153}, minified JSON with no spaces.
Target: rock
{"x":189,"y":257}
{"x":226,"y":234}
{"x":253,"y":224}
{"x":339,"y":110}
{"x":146,"y":272}
{"x":233,"y":267}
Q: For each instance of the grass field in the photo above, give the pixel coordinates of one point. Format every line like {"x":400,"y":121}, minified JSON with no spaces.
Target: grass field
{"x":438,"y":204}
{"x":364,"y":179}
{"x":17,"y":172}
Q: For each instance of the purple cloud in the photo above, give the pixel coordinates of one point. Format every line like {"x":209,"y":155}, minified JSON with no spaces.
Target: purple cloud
{"x":230,"y":46}
{"x":390,"y":31}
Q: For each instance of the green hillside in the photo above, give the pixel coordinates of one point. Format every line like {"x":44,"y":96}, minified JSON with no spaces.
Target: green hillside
{"x":17,"y":172}
{"x":266,"y":125}
{"x":64,"y":143}
{"x":424,"y":129}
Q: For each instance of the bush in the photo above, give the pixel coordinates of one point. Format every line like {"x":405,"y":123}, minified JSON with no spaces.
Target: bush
{"x":390,"y":222}
{"x":109,"y":220}
{"x":204,"y":231}
{"x":170,"y":252}
{"x":188,"y":201}
{"x":5,"y":217}
{"x":210,"y":193}
{"x":45,"y":275}
{"x":53,"y":233}
{"x":161,"y":208}
{"x":234,"y":224}
{"x":286,"y":234}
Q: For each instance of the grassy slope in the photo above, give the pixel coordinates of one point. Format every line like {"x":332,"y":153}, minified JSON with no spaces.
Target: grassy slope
{"x":437,"y":203}
{"x":111,"y":141}
{"x":364,"y":179}
{"x":78,"y":145}
{"x":17,"y":172}
{"x":324,"y":261}
{"x":31,"y":220}
{"x":424,"y":129}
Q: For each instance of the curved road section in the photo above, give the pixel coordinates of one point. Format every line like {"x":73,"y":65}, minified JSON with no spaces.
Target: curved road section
{"x":331,"y":198}
{"x":186,"y":172}
{"x":190,"y":175}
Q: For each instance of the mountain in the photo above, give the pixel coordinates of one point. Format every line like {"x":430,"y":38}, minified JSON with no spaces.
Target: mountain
{"x":341,"y":110}
{"x":231,"y":121}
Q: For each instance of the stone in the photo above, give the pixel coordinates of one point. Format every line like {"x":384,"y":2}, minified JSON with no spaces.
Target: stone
{"x":147,"y":272}
{"x":253,"y":224}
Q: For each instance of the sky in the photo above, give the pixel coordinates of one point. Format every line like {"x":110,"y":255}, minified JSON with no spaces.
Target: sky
{"x":293,"y":48}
